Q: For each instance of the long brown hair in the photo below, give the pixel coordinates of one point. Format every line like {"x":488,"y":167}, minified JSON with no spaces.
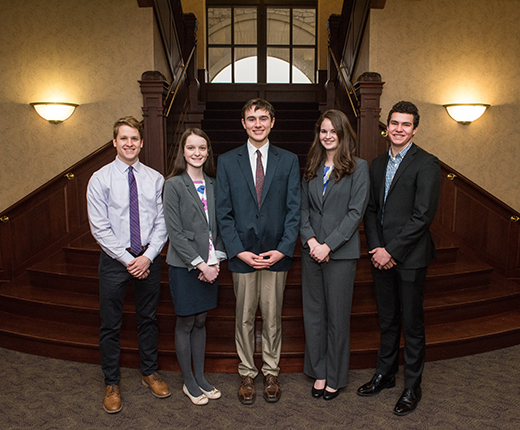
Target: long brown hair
{"x":179,"y":162}
{"x":344,"y":163}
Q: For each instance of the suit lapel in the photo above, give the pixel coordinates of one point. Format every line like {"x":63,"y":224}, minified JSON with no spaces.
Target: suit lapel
{"x":272,"y":165}
{"x":210,"y":193}
{"x":190,"y":186}
{"x":245,"y":167}
{"x":408,"y":158}
{"x":380,"y":171}
{"x":316,"y":187}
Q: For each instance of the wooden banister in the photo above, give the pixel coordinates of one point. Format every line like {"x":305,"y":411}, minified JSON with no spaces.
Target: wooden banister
{"x":49,"y":217}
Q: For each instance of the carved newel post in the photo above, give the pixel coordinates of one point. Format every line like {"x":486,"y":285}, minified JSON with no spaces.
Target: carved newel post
{"x":368,"y":89}
{"x":154,"y":89}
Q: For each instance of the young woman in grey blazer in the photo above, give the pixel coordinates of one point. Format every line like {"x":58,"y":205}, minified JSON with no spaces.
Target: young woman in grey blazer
{"x":194,"y":253}
{"x":335,"y":191}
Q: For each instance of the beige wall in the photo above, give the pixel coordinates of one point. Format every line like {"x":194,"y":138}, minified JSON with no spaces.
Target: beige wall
{"x":198,"y":8}
{"x":91,"y":53}
{"x":325,"y":9}
{"x":445,"y":51}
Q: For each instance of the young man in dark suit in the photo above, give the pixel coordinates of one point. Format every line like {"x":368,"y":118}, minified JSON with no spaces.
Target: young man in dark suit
{"x":258,"y":212}
{"x":404,"y":193}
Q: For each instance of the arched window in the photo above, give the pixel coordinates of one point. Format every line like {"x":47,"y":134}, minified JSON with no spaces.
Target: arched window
{"x":261,"y":42}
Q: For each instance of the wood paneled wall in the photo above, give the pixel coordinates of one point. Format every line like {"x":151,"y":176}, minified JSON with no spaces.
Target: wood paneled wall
{"x":487,"y":226}
{"x":48,"y":218}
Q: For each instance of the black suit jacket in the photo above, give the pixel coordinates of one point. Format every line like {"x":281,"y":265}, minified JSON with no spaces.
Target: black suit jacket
{"x":409,"y":208}
{"x":244,"y":226}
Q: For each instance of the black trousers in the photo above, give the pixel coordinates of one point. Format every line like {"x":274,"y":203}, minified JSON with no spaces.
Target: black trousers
{"x":113,"y":280}
{"x":401,"y":291}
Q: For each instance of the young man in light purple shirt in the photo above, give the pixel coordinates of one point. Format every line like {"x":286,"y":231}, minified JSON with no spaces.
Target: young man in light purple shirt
{"x":126,"y":218}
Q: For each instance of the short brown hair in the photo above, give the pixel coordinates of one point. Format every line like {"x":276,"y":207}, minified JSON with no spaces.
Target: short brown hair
{"x":130,"y":121}
{"x":257,"y":104}
{"x":405,"y":107}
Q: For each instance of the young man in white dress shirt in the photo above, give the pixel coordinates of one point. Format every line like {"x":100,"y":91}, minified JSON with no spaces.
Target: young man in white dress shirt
{"x":128,"y":224}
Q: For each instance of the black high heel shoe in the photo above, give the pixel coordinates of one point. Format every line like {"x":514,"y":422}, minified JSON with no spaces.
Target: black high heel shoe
{"x":317,"y":393}
{"x":329,"y":395}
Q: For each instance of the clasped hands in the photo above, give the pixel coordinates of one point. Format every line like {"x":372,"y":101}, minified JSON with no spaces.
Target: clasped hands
{"x":318,"y":251}
{"x":139,"y":267}
{"x":208,"y":273}
{"x":260,"y":261}
{"x":381,"y":259}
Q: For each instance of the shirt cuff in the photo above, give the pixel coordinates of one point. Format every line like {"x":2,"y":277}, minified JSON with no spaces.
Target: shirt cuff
{"x":197,"y":261}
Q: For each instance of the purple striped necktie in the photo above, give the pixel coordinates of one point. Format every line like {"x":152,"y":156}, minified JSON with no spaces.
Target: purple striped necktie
{"x":135,"y":227}
{"x":259,"y":177}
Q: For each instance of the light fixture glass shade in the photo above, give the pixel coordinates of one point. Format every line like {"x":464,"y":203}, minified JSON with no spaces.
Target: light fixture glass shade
{"x":464,"y":113}
{"x":54,"y":112}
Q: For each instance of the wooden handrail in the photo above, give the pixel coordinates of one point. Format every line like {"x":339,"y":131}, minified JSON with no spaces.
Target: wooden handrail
{"x":178,"y":81}
{"x":351,"y":129}
{"x":348,"y":90}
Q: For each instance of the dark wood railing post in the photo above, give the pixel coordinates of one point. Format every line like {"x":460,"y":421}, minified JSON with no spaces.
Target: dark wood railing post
{"x":369,"y":88}
{"x":192,"y":26}
{"x":196,"y":106}
{"x":154,"y":89}
{"x":333,"y":25}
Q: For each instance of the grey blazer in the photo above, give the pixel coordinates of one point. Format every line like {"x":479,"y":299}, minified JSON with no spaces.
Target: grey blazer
{"x":334,"y":218}
{"x":186,"y":221}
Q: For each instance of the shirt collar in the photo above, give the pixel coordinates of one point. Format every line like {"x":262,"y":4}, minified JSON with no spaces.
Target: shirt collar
{"x":251,"y":149}
{"x":400,"y":155}
{"x":123,"y":167}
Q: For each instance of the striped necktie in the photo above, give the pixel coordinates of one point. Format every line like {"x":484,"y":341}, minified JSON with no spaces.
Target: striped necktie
{"x":135,"y":228}
{"x":259,"y":177}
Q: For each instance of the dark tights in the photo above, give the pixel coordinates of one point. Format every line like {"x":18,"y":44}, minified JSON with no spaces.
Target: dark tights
{"x":190,"y":342}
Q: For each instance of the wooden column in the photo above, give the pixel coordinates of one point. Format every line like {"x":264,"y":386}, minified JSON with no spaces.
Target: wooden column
{"x":154,"y":88}
{"x":368,"y":89}
{"x":333,"y":26}
{"x":196,"y":107}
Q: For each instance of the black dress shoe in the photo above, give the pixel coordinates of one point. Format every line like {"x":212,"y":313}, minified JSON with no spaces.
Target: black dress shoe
{"x":317,"y":393}
{"x":329,"y":395}
{"x":408,"y":401}
{"x":376,"y":384}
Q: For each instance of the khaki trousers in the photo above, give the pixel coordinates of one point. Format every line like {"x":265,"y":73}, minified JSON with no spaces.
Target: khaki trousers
{"x":265,"y":289}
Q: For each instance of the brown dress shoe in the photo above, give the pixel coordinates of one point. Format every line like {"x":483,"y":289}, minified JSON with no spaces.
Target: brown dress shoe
{"x":272,"y":389}
{"x":246,"y":391}
{"x":157,"y":385}
{"x":112,"y":401}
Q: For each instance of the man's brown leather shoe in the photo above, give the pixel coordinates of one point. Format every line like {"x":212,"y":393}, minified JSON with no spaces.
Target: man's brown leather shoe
{"x":246,"y":391}
{"x":157,"y":385}
{"x":272,"y":389}
{"x":112,"y":401}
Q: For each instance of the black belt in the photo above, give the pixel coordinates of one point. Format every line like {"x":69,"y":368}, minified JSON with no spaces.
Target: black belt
{"x":141,"y":253}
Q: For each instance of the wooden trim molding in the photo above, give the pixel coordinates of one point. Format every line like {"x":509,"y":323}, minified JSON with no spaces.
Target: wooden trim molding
{"x":45,"y":220}
{"x":485,"y":224}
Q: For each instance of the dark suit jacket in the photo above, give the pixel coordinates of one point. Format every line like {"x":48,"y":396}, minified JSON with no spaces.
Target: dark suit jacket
{"x":409,"y":209}
{"x":334,"y":218}
{"x":243,"y":226}
{"x":186,"y":221}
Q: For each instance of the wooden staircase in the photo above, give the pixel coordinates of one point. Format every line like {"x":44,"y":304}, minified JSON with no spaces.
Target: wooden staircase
{"x":52,"y":308}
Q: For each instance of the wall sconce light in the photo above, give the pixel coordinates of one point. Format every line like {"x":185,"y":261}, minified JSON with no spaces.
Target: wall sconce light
{"x":464,"y":113}
{"x":54,"y":112}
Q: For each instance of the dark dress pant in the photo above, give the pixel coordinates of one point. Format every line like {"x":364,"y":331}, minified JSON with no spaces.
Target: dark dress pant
{"x":113,"y":280}
{"x":401,"y":290}
{"x":327,"y":290}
